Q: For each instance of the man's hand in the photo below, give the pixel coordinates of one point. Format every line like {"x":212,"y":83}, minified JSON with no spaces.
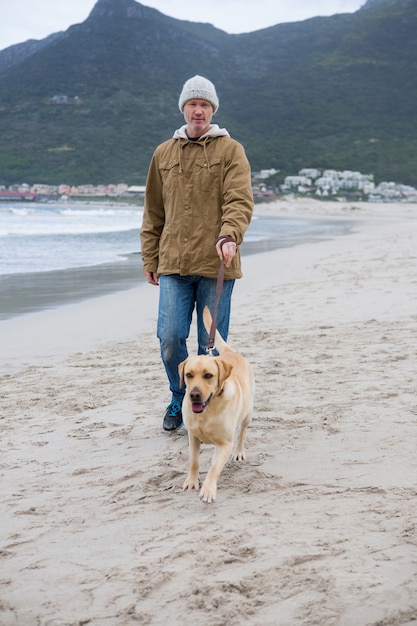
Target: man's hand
{"x":152,"y":278}
{"x":226,"y":250}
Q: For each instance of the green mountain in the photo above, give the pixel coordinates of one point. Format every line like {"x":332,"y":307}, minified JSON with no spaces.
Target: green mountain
{"x":333,"y":92}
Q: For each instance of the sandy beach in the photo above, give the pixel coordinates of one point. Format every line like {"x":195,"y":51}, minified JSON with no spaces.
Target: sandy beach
{"x":318,"y":525}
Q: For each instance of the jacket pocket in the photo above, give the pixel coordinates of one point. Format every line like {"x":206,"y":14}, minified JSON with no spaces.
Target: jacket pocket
{"x":208,"y":174}
{"x":169,"y":175}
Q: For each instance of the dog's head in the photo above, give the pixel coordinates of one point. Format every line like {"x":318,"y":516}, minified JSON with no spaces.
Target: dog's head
{"x":204,"y":376}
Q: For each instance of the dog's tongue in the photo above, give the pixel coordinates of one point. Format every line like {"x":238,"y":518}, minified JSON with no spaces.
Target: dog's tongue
{"x":197,"y":407}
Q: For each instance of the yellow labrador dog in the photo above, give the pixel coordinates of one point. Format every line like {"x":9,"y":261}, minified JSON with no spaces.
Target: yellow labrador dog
{"x":218,"y":404}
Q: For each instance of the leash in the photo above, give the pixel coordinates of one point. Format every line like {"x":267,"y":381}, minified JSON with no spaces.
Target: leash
{"x":219,"y":287}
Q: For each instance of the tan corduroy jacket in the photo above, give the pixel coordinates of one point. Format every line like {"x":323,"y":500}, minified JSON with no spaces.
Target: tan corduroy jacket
{"x":196,"y":191}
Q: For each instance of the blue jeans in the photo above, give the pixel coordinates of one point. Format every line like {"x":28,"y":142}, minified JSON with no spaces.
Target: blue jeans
{"x":178,"y":297}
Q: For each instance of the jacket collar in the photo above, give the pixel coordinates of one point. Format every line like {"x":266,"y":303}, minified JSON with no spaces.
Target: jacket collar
{"x":213,"y":131}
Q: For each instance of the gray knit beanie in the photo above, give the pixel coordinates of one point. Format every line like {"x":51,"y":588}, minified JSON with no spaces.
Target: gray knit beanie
{"x":199,"y":87}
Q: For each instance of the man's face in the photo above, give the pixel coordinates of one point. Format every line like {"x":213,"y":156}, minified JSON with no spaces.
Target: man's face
{"x":197,"y":115}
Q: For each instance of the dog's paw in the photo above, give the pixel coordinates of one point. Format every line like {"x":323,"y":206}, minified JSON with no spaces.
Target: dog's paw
{"x":239,"y":455}
{"x":191,"y":483}
{"x":208,"y":493}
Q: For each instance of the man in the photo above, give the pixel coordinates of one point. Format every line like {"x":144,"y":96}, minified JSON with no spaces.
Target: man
{"x":198,"y":205}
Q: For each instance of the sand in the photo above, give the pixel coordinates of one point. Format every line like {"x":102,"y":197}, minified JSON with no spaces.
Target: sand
{"x":318,"y":526}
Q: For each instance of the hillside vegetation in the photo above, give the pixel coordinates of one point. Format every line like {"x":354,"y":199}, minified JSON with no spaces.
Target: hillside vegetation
{"x":330,"y":92}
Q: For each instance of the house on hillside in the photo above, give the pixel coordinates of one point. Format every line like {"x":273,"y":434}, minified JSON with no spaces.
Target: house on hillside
{"x":60,"y":99}
{"x":310,"y":172}
{"x":301,"y":184}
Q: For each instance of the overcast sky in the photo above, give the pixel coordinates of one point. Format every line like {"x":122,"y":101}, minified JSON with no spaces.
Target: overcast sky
{"x":21,"y":20}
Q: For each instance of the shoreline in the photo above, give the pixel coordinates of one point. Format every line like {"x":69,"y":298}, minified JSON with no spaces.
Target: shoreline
{"x":318,"y":524}
{"x":52,"y":334}
{"x":46,"y":336}
{"x":32,"y":292}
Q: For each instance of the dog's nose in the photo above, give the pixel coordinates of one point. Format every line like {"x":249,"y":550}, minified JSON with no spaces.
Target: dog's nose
{"x":195,"y":395}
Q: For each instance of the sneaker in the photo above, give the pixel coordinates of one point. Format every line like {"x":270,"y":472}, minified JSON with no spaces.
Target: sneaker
{"x":173,"y":417}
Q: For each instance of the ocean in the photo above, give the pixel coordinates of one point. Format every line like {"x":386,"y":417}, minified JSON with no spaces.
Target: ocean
{"x":46,"y":237}
{"x":62,"y":252}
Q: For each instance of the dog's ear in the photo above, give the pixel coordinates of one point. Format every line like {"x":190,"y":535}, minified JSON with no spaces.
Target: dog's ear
{"x":181,"y":372}
{"x":225,"y":369}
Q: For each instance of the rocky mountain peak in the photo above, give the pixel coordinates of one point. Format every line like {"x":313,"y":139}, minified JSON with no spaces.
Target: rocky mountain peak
{"x":120,"y":8}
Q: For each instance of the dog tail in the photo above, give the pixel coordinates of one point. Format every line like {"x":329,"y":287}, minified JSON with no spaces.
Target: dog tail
{"x":220,"y":343}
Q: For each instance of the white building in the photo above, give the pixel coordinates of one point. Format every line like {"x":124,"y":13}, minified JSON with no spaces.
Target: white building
{"x":310,"y":172}
{"x":298,"y":183}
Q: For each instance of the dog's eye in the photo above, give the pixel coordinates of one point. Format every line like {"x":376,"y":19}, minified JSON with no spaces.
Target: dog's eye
{"x":189,"y":375}
{"x":208,"y":375}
